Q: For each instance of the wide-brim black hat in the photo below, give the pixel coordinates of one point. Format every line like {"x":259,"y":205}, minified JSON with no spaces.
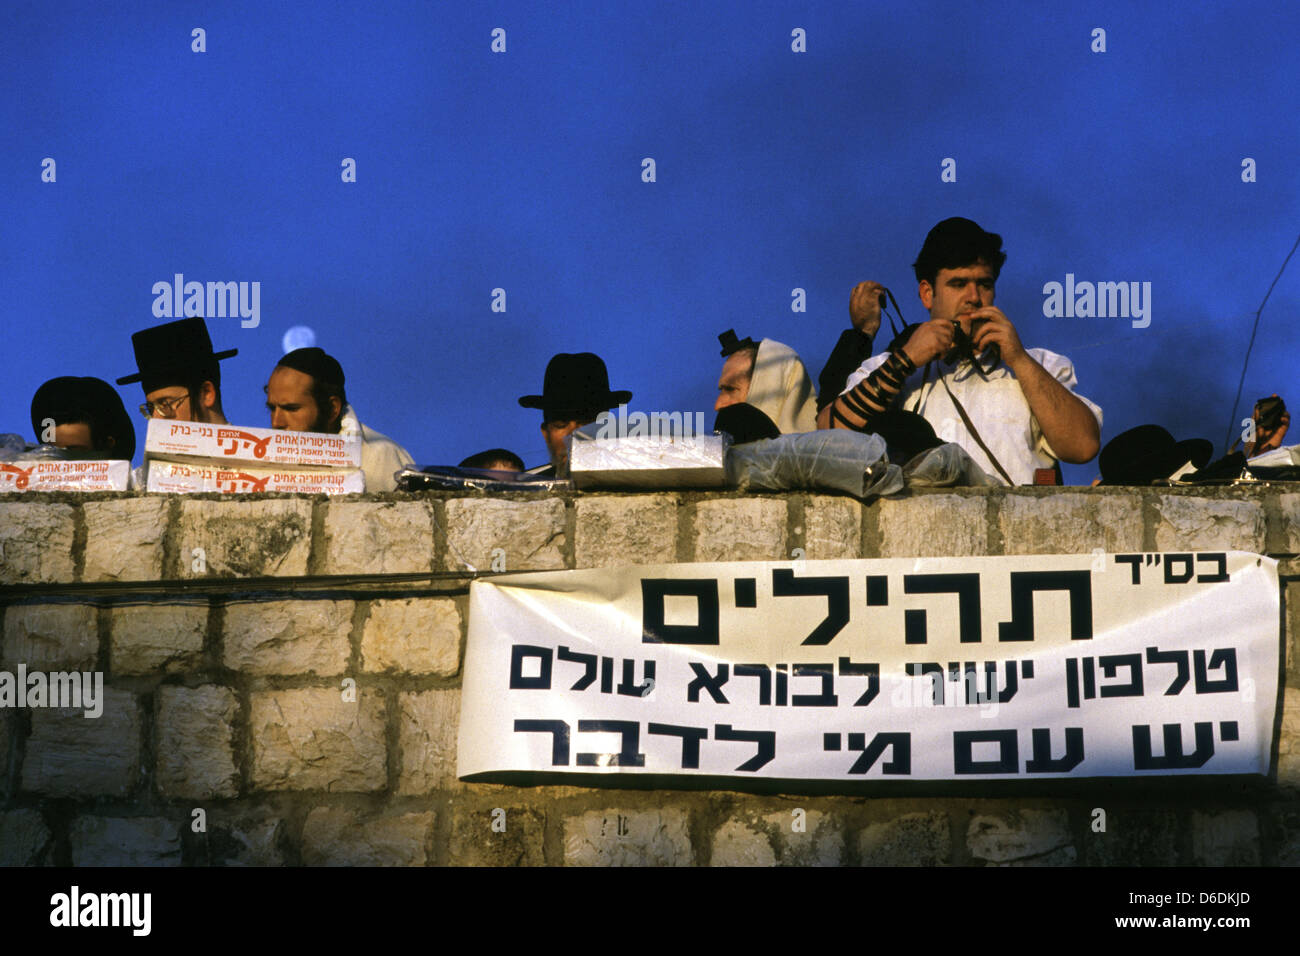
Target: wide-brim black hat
{"x":174,"y":353}
{"x":575,"y":382}
{"x":92,"y":400}
{"x":1149,"y":453}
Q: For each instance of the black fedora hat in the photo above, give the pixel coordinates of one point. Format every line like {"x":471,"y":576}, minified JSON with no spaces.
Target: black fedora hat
{"x":1149,"y":453}
{"x":575,"y":382}
{"x":173,"y":354}
{"x":92,"y":400}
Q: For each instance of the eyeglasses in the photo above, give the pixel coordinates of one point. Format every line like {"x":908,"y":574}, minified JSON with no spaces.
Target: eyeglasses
{"x":164,"y":407}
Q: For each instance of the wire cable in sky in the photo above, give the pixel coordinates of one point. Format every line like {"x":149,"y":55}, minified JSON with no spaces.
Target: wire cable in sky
{"x":1232,"y":421}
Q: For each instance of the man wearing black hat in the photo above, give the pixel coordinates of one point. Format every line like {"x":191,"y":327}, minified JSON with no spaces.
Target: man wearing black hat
{"x":86,"y":415}
{"x":575,"y":391}
{"x":1012,"y":409}
{"x":178,"y":371}
{"x":305,"y":394}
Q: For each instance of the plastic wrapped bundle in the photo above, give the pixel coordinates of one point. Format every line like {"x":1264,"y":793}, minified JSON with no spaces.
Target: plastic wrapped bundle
{"x":837,"y":460}
{"x":944,"y":467}
{"x":695,"y":461}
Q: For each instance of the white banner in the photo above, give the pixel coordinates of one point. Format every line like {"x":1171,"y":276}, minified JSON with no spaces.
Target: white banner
{"x":911,"y":669}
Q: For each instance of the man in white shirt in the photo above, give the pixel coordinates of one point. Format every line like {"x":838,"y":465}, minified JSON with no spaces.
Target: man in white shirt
{"x":305,"y":394}
{"x":1020,"y":410}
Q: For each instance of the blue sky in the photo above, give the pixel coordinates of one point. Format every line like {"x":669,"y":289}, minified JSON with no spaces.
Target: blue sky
{"x":521,"y":170}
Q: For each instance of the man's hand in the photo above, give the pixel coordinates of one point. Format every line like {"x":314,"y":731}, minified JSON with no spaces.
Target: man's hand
{"x":1267,"y":439}
{"x":929,"y":340}
{"x":996,"y":329}
{"x":864,"y":306}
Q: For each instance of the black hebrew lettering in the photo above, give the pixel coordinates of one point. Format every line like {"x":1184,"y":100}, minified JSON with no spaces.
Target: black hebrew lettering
{"x":827,"y":697}
{"x":691,"y":737}
{"x":746,"y":592}
{"x":706,"y":681}
{"x":782,"y":685}
{"x":1110,"y":665}
{"x":627,"y":756}
{"x":766,"y":740}
{"x":935,"y":673}
{"x":521,"y":652}
{"x":653,"y":628}
{"x":1185,"y":565}
{"x":834,"y":589}
{"x":1043,"y":762}
{"x":900,"y":748}
{"x":969,"y":678}
{"x":877,"y":590}
{"x":1179,"y":660}
{"x":1217,"y":558}
{"x":559,"y":731}
{"x":1225,"y":657}
{"x":607,"y":675}
{"x":870,"y":671}
{"x":1007,"y":761}
{"x":1025,"y":584}
{"x":764,"y":676}
{"x":1135,"y":560}
{"x":588,"y":661}
{"x":628,"y":686}
{"x":1174,"y":758}
{"x":967,"y":589}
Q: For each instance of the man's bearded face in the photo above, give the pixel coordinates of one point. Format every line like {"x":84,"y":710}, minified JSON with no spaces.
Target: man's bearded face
{"x":290,"y":402}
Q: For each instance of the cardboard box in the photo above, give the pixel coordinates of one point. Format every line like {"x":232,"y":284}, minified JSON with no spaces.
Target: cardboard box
{"x":190,"y":477}
{"x":648,"y":462}
{"x":55,"y":475}
{"x":194,"y":441}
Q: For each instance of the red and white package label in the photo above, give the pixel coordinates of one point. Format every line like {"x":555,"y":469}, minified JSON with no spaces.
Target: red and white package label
{"x":185,"y":477}
{"x":85,"y":475}
{"x":169,"y":438}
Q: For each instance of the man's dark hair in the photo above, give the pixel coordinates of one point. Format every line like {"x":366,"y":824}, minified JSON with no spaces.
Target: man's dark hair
{"x":955,"y":244}
{"x":327,"y":378}
{"x":493,"y":457}
{"x":195,"y":387}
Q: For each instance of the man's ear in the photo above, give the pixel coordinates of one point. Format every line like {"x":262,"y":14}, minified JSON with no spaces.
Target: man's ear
{"x":207,"y":395}
{"x":925,"y":292}
{"x":336,"y":411}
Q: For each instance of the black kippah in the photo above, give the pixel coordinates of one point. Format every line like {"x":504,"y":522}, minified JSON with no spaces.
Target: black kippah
{"x":315,"y":362}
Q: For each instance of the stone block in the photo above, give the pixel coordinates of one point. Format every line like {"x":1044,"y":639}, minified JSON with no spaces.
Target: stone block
{"x":244,"y":841}
{"x":741,"y":529}
{"x":1133,"y":837}
{"x":24,"y":838}
{"x":933,"y":525}
{"x":267,"y":537}
{"x":1015,"y":836}
{"x":911,"y":839}
{"x":1288,"y":748}
{"x":378,"y":537}
{"x":157,"y":638}
{"x":1186,"y":523}
{"x":795,"y":837}
{"x":194,"y":742}
{"x":71,"y":755}
{"x":333,"y":836}
{"x":1225,"y":838}
{"x":1289,"y":505}
{"x":124,"y":539}
{"x":628,"y":838}
{"x":1284,"y":834}
{"x":832,"y":528}
{"x":529,"y":534}
{"x":429,"y":723}
{"x":312,"y":739}
{"x":36,"y":542}
{"x":125,"y":841}
{"x":618,"y":530}
{"x":51,"y":637}
{"x":412,"y":636}
{"x":497,"y":836}
{"x":288,"y":637}
{"x":1070,"y":523}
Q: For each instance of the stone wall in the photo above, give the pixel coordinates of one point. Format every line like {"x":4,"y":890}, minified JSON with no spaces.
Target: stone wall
{"x":228,"y":630}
